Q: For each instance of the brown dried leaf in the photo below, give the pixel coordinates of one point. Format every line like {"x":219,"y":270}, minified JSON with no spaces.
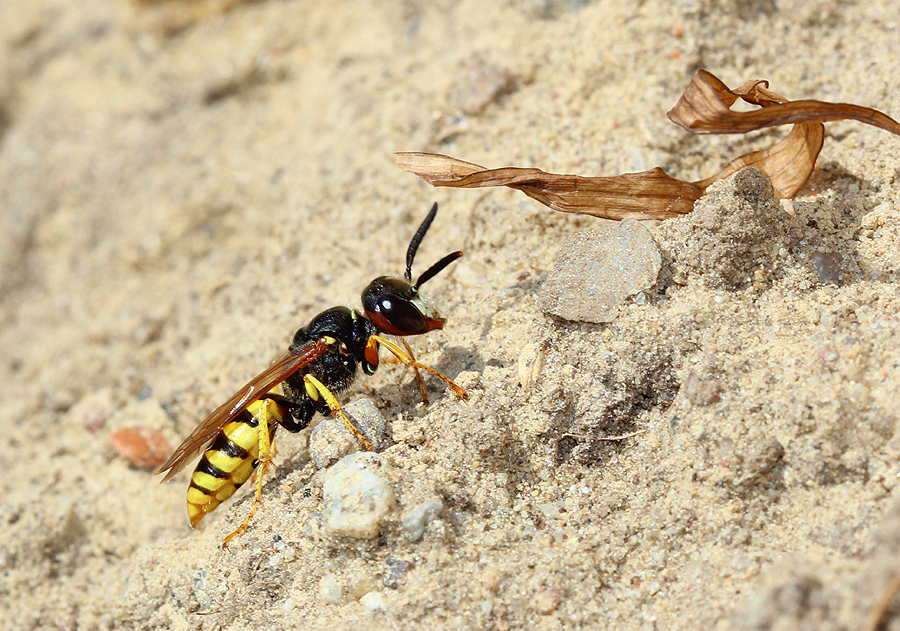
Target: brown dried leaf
{"x":788,"y":164}
{"x":647,"y":195}
{"x":704,"y":108}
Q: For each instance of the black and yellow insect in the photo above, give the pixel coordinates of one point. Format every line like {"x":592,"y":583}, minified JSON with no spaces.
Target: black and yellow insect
{"x":321,"y":362}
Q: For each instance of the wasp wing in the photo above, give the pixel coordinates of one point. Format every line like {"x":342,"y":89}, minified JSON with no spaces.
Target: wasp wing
{"x":283,"y":367}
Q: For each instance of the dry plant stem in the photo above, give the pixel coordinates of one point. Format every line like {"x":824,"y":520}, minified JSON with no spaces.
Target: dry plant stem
{"x":878,"y":611}
{"x":607,"y":438}
{"x":788,"y":164}
{"x":704,"y":108}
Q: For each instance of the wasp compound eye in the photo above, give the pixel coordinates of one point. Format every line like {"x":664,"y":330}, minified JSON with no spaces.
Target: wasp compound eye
{"x":402,"y":314}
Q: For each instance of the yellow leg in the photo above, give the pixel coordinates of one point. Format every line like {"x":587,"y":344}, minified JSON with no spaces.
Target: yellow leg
{"x":419,"y":379}
{"x":421,"y":382}
{"x":266,"y":451}
{"x":332,"y":402}
{"x":409,"y":361}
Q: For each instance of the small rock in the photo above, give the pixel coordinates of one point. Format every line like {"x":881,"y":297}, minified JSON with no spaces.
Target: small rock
{"x":356,"y":498}
{"x":361,"y":584}
{"x":547,"y":600}
{"x":201,"y":590}
{"x":551,"y":510}
{"x":482,"y":84}
{"x":597,"y":271}
{"x":394,"y":571}
{"x":331,"y":439}
{"x":373,"y":601}
{"x":414,"y":524}
{"x":761,"y":459}
{"x":330,"y":590}
{"x":702,"y":389}
{"x":827,"y":266}
{"x":94,"y":409}
{"x":144,"y":448}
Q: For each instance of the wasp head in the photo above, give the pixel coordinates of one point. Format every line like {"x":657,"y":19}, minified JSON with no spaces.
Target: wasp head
{"x":394,"y":305}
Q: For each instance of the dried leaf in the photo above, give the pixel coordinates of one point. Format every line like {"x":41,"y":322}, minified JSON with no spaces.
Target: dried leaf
{"x":788,"y":164}
{"x":704,"y":108}
{"x":647,"y":195}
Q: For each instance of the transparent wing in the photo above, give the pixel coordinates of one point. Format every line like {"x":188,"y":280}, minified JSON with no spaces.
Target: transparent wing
{"x":283,"y":367}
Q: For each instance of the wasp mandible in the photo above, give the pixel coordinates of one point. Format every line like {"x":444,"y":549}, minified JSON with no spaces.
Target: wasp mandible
{"x":320,"y":364}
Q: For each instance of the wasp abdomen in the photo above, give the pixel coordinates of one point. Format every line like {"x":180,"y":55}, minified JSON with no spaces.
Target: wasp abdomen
{"x":231,"y":459}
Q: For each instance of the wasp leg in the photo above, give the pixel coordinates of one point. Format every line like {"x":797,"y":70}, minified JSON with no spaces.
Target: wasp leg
{"x":419,"y":379}
{"x":407,"y":359}
{"x":409,"y":351}
{"x":266,"y":452}
{"x":315,"y":388}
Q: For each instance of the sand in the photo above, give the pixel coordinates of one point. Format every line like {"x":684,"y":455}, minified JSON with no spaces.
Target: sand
{"x":184,"y":184}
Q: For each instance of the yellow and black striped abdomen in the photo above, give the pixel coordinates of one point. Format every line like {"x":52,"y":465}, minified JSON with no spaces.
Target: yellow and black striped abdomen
{"x":230,"y":460}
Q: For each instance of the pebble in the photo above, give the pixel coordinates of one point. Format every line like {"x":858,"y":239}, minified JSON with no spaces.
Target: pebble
{"x":598,"y":271}
{"x":356,"y":497}
{"x":330,"y":590}
{"x":361,"y":584}
{"x":331,"y":439}
{"x":94,"y":409}
{"x":826,"y":266}
{"x":702,"y":389}
{"x":144,"y":448}
{"x":201,"y":591}
{"x":373,"y":601}
{"x":547,"y":600}
{"x":414,"y":524}
{"x":394,"y":571}
{"x":482,"y":84}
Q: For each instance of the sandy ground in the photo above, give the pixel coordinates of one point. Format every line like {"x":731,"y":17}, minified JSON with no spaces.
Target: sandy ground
{"x":184,"y":184}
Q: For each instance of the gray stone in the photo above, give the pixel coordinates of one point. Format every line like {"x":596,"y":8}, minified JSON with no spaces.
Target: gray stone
{"x":597,"y":271}
{"x":413,"y":526}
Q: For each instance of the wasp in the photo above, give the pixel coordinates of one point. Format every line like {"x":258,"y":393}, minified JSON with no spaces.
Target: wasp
{"x":321,"y":362}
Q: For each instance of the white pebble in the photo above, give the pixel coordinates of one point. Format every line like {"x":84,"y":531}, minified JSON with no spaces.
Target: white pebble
{"x":356,"y":498}
{"x":373,"y":601}
{"x":330,"y":590}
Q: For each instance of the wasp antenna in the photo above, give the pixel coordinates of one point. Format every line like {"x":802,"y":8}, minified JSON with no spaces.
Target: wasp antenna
{"x":436,"y":269}
{"x":417,"y":239}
